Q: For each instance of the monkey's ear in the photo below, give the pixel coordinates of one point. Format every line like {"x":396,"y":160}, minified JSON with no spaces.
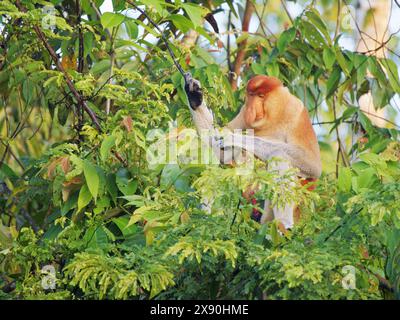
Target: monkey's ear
{"x":261,"y":84}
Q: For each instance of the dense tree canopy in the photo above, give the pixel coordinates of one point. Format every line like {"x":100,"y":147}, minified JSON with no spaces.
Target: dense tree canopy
{"x":90,"y":95}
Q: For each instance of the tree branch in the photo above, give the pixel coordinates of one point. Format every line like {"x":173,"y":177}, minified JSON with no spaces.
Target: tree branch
{"x":249,"y":10}
{"x":60,"y":68}
{"x":228,"y":43}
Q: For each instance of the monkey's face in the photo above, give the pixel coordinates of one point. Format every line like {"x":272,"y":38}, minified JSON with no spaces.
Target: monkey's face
{"x":254,"y":111}
{"x":257,"y":89}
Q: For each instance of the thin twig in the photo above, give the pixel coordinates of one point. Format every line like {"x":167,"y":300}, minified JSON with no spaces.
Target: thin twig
{"x":340,"y":149}
{"x":179,"y":67}
{"x":338,"y":18}
{"x":112,"y":62}
{"x":60,"y":68}
{"x":382,"y":118}
{"x":13,"y":155}
{"x":342,"y":224}
{"x":287,"y":11}
{"x":98,"y":15}
{"x":80,"y":37}
{"x":120,"y":159}
{"x":80,"y":65}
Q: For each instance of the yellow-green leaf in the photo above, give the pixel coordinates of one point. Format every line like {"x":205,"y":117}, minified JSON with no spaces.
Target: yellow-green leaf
{"x":92,"y":178}
{"x":109,"y":19}
{"x":84,"y":197}
{"x":106,"y":146}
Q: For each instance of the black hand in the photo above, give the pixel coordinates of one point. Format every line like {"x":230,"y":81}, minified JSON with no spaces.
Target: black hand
{"x":193,"y":91}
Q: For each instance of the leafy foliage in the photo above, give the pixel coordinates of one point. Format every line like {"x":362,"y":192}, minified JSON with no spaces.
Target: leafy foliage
{"x":116,"y":225}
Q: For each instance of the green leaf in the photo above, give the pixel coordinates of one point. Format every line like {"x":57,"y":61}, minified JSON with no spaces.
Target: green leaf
{"x":376,"y":70}
{"x":363,"y":88}
{"x":349,"y":112}
{"x":286,"y":37}
{"x":112,"y":186}
{"x":274,"y":233}
{"x":232,"y":8}
{"x":84,"y":197}
{"x":106,"y":146}
{"x":100,"y":67}
{"x":88,"y":43}
{"x":361,"y":65}
{"x":342,"y":61}
{"x":118,"y":5}
{"x":257,"y":68}
{"x":314,"y":57}
{"x":92,"y":178}
{"x":182,"y":184}
{"x":27,"y":90}
{"x":312,"y":35}
{"x":272,"y":69}
{"x":124,"y":183}
{"x":122,"y":223}
{"x":157,"y":4}
{"x":332,"y":83}
{"x":329,"y":57}
{"x":365,"y":179}
{"x":195,"y":13}
{"x":344,"y":179}
{"x":110,"y":19}
{"x":52,"y":232}
{"x":132,"y":29}
{"x":379,"y":95}
{"x":7,"y":172}
{"x":229,"y":92}
{"x":70,"y":203}
{"x":169,"y":175}
{"x":315,"y":18}
{"x":102,"y":181}
{"x":181,"y":22}
{"x":392,"y":73}
{"x":96,"y":237}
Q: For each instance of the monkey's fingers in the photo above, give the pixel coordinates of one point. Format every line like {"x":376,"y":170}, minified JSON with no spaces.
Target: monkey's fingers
{"x":196,"y":85}
{"x":188,"y":77}
{"x":219,"y":143}
{"x":191,"y":84}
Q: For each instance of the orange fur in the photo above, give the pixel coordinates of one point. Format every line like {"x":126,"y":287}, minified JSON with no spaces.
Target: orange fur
{"x":281,"y":125}
{"x":284,"y":117}
{"x":275,"y":114}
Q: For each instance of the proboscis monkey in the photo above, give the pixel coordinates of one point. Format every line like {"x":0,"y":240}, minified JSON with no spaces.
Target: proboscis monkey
{"x":281,"y":125}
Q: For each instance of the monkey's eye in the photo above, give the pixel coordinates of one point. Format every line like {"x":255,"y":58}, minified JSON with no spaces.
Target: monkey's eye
{"x":261,"y":96}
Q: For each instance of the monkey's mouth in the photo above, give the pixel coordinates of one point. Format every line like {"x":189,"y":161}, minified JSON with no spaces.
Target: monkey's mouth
{"x":258,"y":122}
{"x":259,"y":116}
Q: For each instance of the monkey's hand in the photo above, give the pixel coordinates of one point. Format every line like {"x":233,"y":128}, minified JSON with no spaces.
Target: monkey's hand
{"x":193,"y":91}
{"x":261,"y":148}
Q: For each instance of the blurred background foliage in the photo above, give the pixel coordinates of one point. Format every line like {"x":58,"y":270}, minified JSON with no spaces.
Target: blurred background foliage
{"x":84,"y":83}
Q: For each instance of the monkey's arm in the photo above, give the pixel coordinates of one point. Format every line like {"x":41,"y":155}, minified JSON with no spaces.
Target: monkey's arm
{"x":202,"y":116}
{"x":204,"y":121}
{"x":237,"y":122}
{"x":265,"y":149}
